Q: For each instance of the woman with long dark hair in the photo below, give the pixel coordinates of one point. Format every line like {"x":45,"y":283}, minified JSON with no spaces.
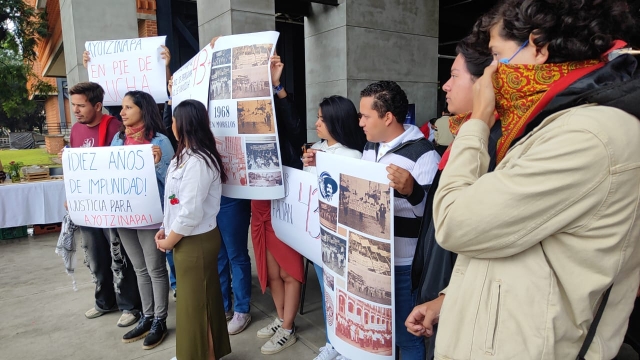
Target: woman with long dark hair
{"x":337,"y":127}
{"x":192,"y":202}
{"x":142,"y":124}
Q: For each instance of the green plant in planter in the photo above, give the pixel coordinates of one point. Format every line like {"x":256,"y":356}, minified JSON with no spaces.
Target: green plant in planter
{"x":13,"y":169}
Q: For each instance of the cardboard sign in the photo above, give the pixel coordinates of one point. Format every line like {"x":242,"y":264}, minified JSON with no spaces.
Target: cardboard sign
{"x":109,"y":187}
{"x":356,"y":219}
{"x":295,"y":217}
{"x":243,"y":118}
{"x":120,"y":66}
{"x":191,"y":81}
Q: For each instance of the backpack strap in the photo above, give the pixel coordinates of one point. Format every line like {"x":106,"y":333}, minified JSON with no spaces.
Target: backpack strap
{"x":594,"y":325}
{"x":103,"y":129}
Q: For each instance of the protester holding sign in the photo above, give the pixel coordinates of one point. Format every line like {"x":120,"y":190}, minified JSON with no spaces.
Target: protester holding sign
{"x":337,"y":126}
{"x":413,"y":162}
{"x":142,"y":125}
{"x":106,"y":258}
{"x":278,"y":265}
{"x":192,"y":201}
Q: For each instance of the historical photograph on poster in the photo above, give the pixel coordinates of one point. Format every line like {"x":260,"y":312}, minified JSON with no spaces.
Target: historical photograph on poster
{"x":262,"y":156}
{"x":363,"y":325}
{"x":220,"y":87}
{"x":369,"y":269}
{"x":251,"y":56}
{"x":230,"y":149}
{"x":328,"y":216}
{"x":334,"y":252}
{"x":364,"y":206}
{"x":255,"y":117}
{"x":251,"y":82}
{"x":265,"y":179}
{"x":328,"y":280}
{"x":222,"y":57}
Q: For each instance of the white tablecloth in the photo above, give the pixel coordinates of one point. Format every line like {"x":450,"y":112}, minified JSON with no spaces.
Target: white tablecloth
{"x":30,"y":203}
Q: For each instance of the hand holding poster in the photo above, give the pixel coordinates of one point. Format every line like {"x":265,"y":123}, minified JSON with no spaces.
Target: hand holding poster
{"x":356,"y":220}
{"x":120,"y":66}
{"x":242,"y":115}
{"x":191,"y":81}
{"x":110,"y":187}
{"x":295,"y":217}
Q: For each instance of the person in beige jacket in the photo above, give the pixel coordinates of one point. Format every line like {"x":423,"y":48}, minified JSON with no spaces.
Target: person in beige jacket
{"x":542,"y":238}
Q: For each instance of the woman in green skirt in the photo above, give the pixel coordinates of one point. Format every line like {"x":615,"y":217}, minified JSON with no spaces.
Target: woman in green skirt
{"x":192,"y":201}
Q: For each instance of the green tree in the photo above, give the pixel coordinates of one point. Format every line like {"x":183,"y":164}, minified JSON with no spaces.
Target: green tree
{"x":21,"y":26}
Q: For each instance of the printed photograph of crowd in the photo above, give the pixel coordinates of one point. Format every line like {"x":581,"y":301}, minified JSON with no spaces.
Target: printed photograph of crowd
{"x":328,"y":216}
{"x":251,"y":83}
{"x":334,"y":252}
{"x":255,"y":117}
{"x":363,"y":325}
{"x":369,"y":269}
{"x":233,"y":160}
{"x":222,"y":57}
{"x":251,"y":56}
{"x":328,"y":281}
{"x":220,"y":87}
{"x":262,"y":156}
{"x":364,"y":206}
{"x":265,"y":179}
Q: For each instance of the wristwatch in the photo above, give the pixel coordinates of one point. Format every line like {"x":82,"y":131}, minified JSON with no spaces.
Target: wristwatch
{"x":277,"y":89}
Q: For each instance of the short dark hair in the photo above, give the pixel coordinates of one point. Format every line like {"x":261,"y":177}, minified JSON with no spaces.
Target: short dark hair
{"x":341,"y":119}
{"x":194,"y":134}
{"x":475,"y":48}
{"x":151,"y":118}
{"x":93,"y":91}
{"x":388,"y":96}
{"x":574,"y":30}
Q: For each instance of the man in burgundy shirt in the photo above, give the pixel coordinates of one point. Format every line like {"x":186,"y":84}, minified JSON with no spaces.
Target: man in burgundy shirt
{"x":113,"y":274}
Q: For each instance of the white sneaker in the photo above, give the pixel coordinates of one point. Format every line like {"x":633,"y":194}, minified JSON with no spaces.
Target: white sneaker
{"x":239,"y":322}
{"x":281,"y":340}
{"x":340,"y":357}
{"x":269,"y":330}
{"x":327,"y":352}
{"x":174,"y":358}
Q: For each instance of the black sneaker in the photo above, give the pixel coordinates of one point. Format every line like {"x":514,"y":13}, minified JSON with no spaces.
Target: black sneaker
{"x":141,"y":330}
{"x":156,"y":334}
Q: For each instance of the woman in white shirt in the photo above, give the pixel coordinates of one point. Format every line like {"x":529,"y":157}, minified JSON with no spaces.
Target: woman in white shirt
{"x":192,"y":201}
{"x":337,"y":126}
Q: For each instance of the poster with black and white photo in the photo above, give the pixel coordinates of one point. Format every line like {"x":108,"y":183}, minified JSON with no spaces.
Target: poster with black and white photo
{"x":356,"y":233}
{"x":242,"y":115}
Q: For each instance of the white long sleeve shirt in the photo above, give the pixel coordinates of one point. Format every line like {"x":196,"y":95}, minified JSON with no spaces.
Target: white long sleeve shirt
{"x":197,"y":189}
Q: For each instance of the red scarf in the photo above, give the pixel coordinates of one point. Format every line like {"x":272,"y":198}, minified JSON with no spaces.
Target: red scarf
{"x":135,"y":136}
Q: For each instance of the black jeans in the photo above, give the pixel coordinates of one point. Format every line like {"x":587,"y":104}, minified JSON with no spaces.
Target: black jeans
{"x":113,"y":273}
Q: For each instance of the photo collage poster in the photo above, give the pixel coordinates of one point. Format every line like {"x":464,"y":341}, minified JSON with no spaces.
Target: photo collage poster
{"x":243,"y":118}
{"x":356,"y":232}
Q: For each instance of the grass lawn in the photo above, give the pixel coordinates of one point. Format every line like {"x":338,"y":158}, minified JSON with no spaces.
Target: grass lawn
{"x":28,"y":157}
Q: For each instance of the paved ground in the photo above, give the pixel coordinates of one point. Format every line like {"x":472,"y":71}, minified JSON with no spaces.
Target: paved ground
{"x":41,"y":317}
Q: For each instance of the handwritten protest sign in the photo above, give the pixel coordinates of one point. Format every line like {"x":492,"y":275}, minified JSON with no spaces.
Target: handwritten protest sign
{"x":356,"y":220}
{"x":295,"y":217}
{"x":242,"y":115}
{"x":129,"y":64}
{"x":191,"y":81}
{"x":110,"y":187}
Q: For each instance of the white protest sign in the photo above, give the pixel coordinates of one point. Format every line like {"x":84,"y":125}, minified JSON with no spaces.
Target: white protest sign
{"x":243,"y":118}
{"x":356,"y":220}
{"x":191,"y":81}
{"x":295,"y":218}
{"x":124,"y":65}
{"x":110,"y":187}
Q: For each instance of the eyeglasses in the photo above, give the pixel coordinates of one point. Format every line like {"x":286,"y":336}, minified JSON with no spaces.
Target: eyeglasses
{"x":506,"y":61}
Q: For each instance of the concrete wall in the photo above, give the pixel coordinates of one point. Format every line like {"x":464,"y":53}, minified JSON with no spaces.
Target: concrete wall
{"x":84,"y":20}
{"x":358,"y":42}
{"x":227,"y":17}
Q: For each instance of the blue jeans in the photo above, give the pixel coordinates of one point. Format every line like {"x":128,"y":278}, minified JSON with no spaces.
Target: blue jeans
{"x":319,"y":273}
{"x":172,"y":270}
{"x":411,"y":347}
{"x":233,"y":259}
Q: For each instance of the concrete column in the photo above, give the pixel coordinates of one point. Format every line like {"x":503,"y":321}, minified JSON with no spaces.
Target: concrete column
{"x":86,"y":20}
{"x":228,"y":17}
{"x":359,"y":42}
